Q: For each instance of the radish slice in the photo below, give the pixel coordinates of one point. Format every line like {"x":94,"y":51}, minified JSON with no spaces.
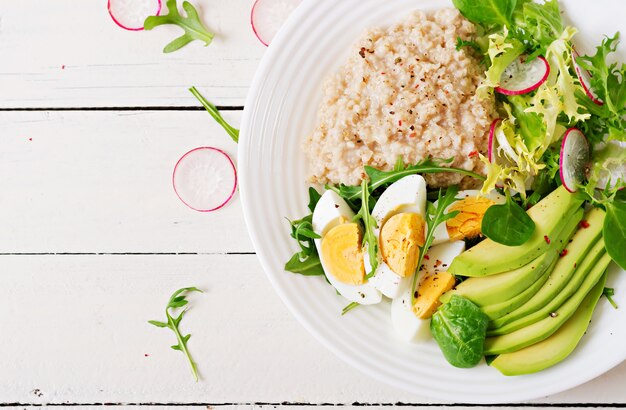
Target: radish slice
{"x":521,"y":77}
{"x":585,"y":80}
{"x":130,"y":14}
{"x":268,"y":17}
{"x":205,"y":179}
{"x":574,"y":159}
{"x":491,"y":151}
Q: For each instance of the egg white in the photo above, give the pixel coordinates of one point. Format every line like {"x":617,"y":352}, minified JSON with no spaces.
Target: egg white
{"x":327,"y":214}
{"x":406,"y":325}
{"x":408,"y":194}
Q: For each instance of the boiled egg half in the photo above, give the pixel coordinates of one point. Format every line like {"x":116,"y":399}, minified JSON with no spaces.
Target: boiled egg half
{"x":472,"y":206}
{"x":399,"y":214}
{"x":340,"y":249}
{"x":411,"y":322}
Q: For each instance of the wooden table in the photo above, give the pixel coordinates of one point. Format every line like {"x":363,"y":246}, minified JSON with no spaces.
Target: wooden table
{"x":94,"y":240}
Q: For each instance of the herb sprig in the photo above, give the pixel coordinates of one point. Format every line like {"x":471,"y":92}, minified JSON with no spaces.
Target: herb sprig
{"x":369,"y":224}
{"x":380,"y":179}
{"x":212,"y":109}
{"x":306,"y":261}
{"x":193,"y":26}
{"x":178,"y":300}
{"x":435,"y":215}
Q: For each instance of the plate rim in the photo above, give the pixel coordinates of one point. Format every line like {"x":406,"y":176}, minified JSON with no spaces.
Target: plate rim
{"x":244,"y":172}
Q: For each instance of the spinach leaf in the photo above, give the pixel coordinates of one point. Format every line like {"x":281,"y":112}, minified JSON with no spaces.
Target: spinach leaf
{"x":507,"y":224}
{"x":459,"y":327}
{"x":614,"y":231}
{"x":487,"y":11}
{"x":306,"y":261}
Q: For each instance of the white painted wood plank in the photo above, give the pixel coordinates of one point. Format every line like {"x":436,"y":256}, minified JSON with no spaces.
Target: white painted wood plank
{"x":75,"y":331}
{"x":69,"y":53}
{"x":102,"y":182}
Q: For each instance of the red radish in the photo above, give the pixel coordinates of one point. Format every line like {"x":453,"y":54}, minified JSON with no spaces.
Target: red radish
{"x":205,"y":179}
{"x":585,"y":79}
{"x":574,"y":159}
{"x":491,"y":150}
{"x":521,"y":77}
{"x":130,"y":14}
{"x":268,"y":17}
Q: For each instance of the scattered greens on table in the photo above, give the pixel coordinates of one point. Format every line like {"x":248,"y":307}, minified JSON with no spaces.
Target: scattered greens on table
{"x":178,"y":300}
{"x":191,"y":24}
{"x":212,"y":109}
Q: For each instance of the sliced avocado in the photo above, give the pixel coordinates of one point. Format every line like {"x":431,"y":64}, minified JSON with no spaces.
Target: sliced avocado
{"x":544,"y":328}
{"x":557,"y":347}
{"x":493,"y":289}
{"x":583,"y":251}
{"x":497,"y":310}
{"x":489,"y":257}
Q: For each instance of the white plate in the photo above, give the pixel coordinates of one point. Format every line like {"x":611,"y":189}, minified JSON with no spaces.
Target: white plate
{"x":280,"y":111}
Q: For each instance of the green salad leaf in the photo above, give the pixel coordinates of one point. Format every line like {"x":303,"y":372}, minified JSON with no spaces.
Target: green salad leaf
{"x":306,"y":261}
{"x":459,"y":327}
{"x":191,"y":24}
{"x":537,"y":25}
{"x":435,"y":215}
{"x":369,"y":224}
{"x":487,"y":12}
{"x":178,"y":300}
{"x":507,"y":223}
{"x":608,"y":81}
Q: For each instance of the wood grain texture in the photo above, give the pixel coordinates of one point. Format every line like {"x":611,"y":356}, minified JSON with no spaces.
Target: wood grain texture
{"x":75,"y":330}
{"x":77,"y":57}
{"x":102,"y":182}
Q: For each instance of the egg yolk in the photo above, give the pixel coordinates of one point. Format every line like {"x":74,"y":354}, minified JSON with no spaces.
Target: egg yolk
{"x":466,"y":224}
{"x":400,"y":239}
{"x":341,"y":250}
{"x":432,"y":286}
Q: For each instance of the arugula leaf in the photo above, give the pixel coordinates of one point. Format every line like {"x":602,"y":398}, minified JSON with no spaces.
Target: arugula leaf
{"x":306,"y":261}
{"x":194,"y":29}
{"x":369,"y":224}
{"x":212,"y":109}
{"x":349,"y":307}
{"x":459,"y":327}
{"x":609,"y":293}
{"x":507,"y":224}
{"x":178,"y":300}
{"x":614,"y":231}
{"x":435,"y":215}
{"x":487,"y":11}
{"x":382,"y":179}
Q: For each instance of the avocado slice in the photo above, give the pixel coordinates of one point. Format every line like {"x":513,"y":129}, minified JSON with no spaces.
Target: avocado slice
{"x":544,"y":328}
{"x":489,"y":257}
{"x":500,"y":309}
{"x":585,"y":248}
{"x":494,"y":289}
{"x":557,"y":347}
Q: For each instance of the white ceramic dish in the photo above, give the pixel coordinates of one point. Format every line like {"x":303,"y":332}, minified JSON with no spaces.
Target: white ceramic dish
{"x":280,"y":111}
